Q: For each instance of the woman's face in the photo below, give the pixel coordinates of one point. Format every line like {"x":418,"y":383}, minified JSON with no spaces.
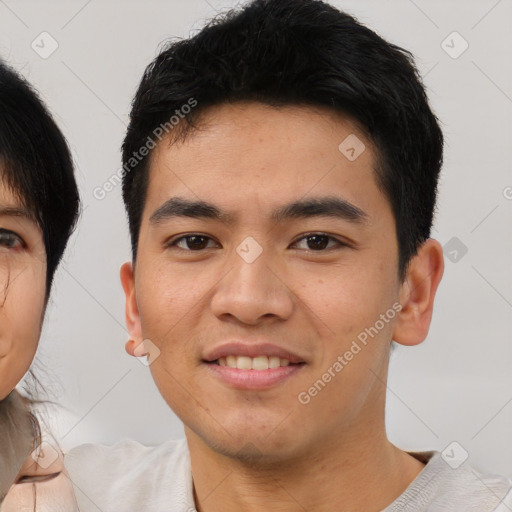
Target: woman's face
{"x":22,"y":289}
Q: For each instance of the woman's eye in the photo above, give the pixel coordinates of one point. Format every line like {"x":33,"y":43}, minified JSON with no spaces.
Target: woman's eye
{"x":10,"y":240}
{"x":193,"y":242}
{"x":319,"y":242}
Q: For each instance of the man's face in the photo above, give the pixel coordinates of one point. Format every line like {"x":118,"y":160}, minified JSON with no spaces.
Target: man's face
{"x":300,"y":289}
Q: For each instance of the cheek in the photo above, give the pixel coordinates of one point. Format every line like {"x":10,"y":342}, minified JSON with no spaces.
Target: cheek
{"x":25,"y":306}
{"x":346,"y":298}
{"x":166,"y":298}
{"x":347,"y":304}
{"x":20,"y":325}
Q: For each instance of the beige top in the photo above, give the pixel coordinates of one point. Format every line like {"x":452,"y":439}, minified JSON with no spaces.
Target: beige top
{"x":42,"y":485}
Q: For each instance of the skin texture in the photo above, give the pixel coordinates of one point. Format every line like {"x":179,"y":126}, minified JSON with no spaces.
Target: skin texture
{"x":264,"y":450}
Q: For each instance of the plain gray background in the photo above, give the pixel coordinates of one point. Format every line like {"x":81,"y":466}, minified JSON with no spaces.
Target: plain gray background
{"x":457,"y":386}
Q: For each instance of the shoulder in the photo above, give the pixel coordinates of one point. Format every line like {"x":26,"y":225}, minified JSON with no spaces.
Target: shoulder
{"x":443,"y":486}
{"x":123,"y":452}
{"x":129,"y":474}
{"x":477,"y":491}
{"x":125,"y":457}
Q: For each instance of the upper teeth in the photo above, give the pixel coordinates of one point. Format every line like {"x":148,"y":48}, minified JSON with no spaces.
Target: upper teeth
{"x":253,"y":363}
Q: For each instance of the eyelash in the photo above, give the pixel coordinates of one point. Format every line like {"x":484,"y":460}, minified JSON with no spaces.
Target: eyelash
{"x":339,"y":243}
{"x":6,"y":235}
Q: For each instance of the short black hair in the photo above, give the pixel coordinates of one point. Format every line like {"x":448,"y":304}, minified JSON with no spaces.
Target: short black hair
{"x":36,"y":164}
{"x":298,"y":52}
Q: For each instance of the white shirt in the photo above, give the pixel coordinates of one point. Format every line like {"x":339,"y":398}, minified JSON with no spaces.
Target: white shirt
{"x":130,"y":477}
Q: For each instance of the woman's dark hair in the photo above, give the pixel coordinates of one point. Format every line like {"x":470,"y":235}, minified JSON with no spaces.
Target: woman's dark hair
{"x":36,"y":164}
{"x":298,"y":52}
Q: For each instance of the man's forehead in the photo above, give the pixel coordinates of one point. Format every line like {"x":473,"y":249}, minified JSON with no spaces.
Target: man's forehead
{"x":253,"y":118}
{"x":178,"y":169}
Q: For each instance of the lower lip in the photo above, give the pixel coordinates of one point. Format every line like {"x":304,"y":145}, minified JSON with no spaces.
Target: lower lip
{"x":253,"y":379}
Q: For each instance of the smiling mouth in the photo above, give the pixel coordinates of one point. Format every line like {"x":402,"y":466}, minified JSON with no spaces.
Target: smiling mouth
{"x":256,"y":373}
{"x":258,"y":363}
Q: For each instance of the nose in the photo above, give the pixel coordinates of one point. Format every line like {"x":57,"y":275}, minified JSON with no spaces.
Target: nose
{"x":253,"y":290}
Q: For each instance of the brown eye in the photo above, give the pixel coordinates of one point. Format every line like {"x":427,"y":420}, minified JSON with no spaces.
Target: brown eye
{"x":193,"y":242}
{"x":319,"y":242}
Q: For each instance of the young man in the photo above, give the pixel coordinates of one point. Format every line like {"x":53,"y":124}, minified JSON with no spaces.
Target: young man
{"x":277,"y":127}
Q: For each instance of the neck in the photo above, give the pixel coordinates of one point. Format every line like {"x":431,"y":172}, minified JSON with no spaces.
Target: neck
{"x":362,"y":474}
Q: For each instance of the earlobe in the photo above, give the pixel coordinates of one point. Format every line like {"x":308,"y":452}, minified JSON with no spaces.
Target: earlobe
{"x":135,"y":348}
{"x":417,"y":294}
{"x":132,"y":316}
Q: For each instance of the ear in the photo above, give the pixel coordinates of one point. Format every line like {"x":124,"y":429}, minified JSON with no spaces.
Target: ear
{"x":132,"y":316}
{"x":417,"y":294}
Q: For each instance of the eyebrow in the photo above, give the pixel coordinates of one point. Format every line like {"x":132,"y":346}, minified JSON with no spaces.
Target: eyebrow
{"x":329,"y":206}
{"x":9,"y":211}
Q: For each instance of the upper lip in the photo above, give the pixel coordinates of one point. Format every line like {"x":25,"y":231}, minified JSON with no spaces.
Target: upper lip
{"x":240,"y":348}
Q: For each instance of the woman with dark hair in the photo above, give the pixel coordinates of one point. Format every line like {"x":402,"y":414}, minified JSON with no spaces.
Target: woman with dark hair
{"x":39,"y":207}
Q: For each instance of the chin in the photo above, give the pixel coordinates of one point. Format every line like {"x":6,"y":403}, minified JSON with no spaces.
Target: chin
{"x":257,"y":455}
{"x":251,"y":445}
